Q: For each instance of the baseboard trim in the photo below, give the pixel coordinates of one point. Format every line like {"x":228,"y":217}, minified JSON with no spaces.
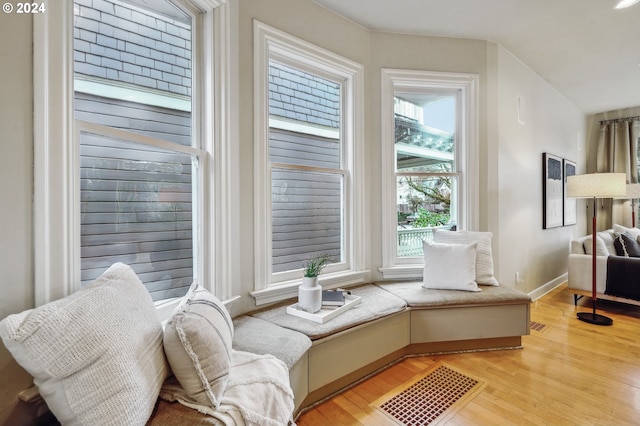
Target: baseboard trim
{"x":548,"y":287}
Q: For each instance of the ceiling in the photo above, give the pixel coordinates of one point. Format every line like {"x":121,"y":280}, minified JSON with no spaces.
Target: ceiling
{"x":584,"y":48}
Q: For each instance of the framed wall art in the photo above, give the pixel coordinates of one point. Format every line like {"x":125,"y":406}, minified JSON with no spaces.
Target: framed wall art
{"x":552,"y":191}
{"x":570,"y":207}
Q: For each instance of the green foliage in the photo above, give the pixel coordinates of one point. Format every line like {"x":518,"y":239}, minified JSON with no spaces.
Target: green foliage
{"x":426,"y":218}
{"x":432,"y":192}
{"x":402,"y":217}
{"x":316,"y":263}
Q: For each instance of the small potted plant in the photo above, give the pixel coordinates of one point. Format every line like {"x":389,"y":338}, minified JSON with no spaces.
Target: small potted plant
{"x":310,"y":293}
{"x":315,"y":264}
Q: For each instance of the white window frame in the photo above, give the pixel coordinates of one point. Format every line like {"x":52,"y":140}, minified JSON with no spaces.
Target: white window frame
{"x":273,"y":44}
{"x":466,"y":155}
{"x":56,"y":157}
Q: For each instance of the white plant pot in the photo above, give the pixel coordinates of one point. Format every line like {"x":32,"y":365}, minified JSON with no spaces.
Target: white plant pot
{"x":310,"y":295}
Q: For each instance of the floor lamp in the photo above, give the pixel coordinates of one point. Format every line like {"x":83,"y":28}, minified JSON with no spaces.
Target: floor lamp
{"x":596,"y":185}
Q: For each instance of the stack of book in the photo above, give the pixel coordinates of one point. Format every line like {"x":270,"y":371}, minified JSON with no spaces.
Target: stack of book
{"x":332,"y":298}
{"x":334,"y":303}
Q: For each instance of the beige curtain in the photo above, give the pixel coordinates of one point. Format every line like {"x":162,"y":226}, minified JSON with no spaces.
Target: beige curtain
{"x":617,"y":152}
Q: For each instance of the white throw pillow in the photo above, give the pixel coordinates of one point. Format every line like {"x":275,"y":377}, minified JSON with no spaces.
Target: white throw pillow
{"x":619,"y":229}
{"x":197,"y":341}
{"x":450,"y":266}
{"x":601,"y":248}
{"x":96,"y":355}
{"x":607,"y":238}
{"x":484,"y":257}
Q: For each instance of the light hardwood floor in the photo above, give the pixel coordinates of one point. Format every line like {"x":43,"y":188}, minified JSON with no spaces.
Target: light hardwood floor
{"x":569,"y":373}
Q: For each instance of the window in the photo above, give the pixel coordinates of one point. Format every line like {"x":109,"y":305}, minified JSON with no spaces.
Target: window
{"x":123,"y":160}
{"x":307,"y":174}
{"x":308,"y":129}
{"x":429,"y":138}
{"x":425,"y":167}
{"x":138,"y":186}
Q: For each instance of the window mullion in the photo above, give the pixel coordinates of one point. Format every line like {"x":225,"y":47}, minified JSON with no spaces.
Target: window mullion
{"x":428,"y":174}
{"x":85,"y":126}
{"x":307,"y":168}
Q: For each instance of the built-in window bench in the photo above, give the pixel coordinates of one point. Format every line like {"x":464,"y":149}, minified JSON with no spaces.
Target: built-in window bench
{"x":392,"y":321}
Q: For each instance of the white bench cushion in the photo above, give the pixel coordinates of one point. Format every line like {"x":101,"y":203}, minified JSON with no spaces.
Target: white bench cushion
{"x":375,"y":303}
{"x":262,"y":337}
{"x":418,"y":297}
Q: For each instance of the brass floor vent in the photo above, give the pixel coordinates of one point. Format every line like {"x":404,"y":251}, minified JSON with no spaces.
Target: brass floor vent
{"x":536,"y":326}
{"x":429,"y":399}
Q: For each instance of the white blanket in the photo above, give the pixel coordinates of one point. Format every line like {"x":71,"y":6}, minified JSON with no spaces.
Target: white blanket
{"x":257,"y":394}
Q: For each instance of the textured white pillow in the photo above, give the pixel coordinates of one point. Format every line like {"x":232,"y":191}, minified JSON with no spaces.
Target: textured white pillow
{"x":450,"y":266}
{"x":484,"y":258}
{"x":607,"y":237}
{"x":96,"y":355}
{"x":601,"y":248}
{"x":197,"y":341}
{"x":619,"y":229}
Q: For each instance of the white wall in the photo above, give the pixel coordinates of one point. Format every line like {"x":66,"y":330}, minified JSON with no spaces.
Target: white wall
{"x":16,"y":188}
{"x":548,"y":122}
{"x":16,"y":158}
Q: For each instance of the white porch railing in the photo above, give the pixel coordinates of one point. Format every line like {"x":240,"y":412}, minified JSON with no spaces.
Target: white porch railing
{"x":410,"y":240}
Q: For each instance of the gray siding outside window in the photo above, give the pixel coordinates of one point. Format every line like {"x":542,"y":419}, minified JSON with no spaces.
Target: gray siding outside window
{"x":307,"y":205}
{"x":118,"y":42}
{"x":135,"y":200}
{"x":136,"y":204}
{"x":303,"y":97}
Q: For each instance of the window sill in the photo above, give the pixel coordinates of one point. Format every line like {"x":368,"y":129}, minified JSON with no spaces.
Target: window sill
{"x":402,"y":272}
{"x":165,"y":307}
{"x":289,"y":289}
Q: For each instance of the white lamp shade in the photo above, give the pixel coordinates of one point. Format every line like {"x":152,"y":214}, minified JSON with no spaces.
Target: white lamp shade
{"x":598,"y":185}
{"x":633,"y":191}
